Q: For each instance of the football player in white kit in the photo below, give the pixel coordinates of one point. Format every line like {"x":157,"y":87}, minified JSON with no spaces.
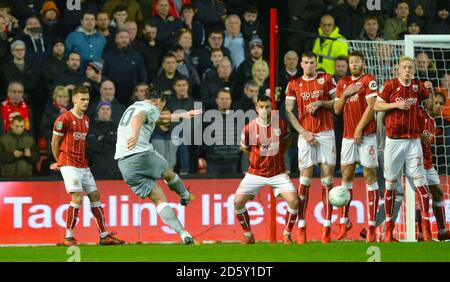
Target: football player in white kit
{"x":140,"y":164}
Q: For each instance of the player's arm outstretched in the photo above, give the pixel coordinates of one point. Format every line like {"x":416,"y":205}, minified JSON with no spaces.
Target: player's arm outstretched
{"x":309,"y":137}
{"x":177,"y":116}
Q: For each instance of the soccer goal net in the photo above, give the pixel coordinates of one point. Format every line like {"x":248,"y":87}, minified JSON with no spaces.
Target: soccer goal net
{"x":432,"y":54}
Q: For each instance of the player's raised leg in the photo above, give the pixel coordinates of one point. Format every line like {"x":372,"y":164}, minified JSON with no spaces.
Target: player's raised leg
{"x":176,"y":184}
{"x":72,"y":218}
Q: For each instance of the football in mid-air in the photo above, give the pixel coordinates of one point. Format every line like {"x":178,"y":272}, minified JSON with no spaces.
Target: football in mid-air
{"x":339,"y":196}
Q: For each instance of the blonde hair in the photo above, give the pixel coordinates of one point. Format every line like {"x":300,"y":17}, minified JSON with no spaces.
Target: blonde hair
{"x":60,"y":89}
{"x":260,"y":64}
{"x":405,"y":58}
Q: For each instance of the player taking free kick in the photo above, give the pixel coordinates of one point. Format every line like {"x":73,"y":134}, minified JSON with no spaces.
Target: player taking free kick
{"x":140,"y":164}
{"x":265,"y":140}
{"x":69,"y":149}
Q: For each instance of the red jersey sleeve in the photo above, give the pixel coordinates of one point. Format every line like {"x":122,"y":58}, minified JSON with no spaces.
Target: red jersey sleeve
{"x":385,"y":91}
{"x":339,"y":89}
{"x":331,"y":85}
{"x":245,"y":137}
{"x":290,"y":90}
{"x":372,"y":87}
{"x":60,"y":126}
{"x":423,"y":92}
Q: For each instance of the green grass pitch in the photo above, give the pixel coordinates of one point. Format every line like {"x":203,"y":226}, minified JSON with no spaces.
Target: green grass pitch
{"x":232,"y":252}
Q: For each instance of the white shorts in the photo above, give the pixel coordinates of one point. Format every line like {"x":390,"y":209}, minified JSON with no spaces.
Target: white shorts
{"x":432,"y":177}
{"x":78,"y":180}
{"x":251,"y":184}
{"x":403,"y":152}
{"x":364,"y":153}
{"x":324,"y":153}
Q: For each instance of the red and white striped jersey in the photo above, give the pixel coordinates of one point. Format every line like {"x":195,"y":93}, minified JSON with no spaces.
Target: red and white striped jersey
{"x":305,"y":91}
{"x":267,"y":145}
{"x":427,"y":126}
{"x":73,"y":129}
{"x":356,"y":105}
{"x":399,"y":123}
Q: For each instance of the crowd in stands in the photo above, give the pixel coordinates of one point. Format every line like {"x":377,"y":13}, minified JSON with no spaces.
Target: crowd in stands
{"x":208,"y":51}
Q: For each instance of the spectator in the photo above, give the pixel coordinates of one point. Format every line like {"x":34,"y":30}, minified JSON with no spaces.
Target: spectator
{"x":214,"y":81}
{"x":167,"y":25}
{"x":304,"y":17}
{"x":52,"y":26}
{"x":18,"y":69}
{"x":105,"y":28}
{"x":184,"y":39}
{"x":249,"y":97}
{"x":371,"y":29}
{"x":290,"y":70}
{"x":124,"y":66}
{"x":426,"y":69}
{"x":164,"y":80}
{"x":175,"y":7}
{"x":14,"y":105}
{"x":132,"y":29}
{"x":234,"y":40}
{"x":196,"y":27}
{"x":54,"y":64}
{"x":146,"y":8}
{"x":86,"y":40}
{"x":428,"y":7}
{"x":119,"y":17}
{"x":162,"y":141}
{"x":398,"y":24}
{"x":185,"y":68}
{"x":25,"y":9}
{"x":53,"y":110}
{"x":210,"y":13}
{"x":215,"y":57}
{"x":439,"y":24}
{"x":4,"y":40}
{"x":71,"y":76}
{"x":444,"y":87}
{"x":132,"y":7}
{"x":251,"y":26}
{"x":71,"y":17}
{"x":327,"y":50}
{"x":11,"y":23}
{"x":102,"y":140}
{"x":260,"y":74}
{"x":107,"y":95}
{"x":414,"y":27}
{"x":35,"y":41}
{"x":340,"y":68}
{"x":94,"y":74}
{"x":215,"y":41}
{"x":419,"y":14}
{"x":223,"y":154}
{"x":349,"y":17}
{"x":150,"y":49}
{"x":244,"y":71}
{"x":18,"y":151}
{"x":387,"y":11}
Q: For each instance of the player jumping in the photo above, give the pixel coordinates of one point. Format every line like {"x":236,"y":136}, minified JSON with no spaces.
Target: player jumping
{"x":316,"y":144}
{"x":355,"y":98}
{"x":265,"y":140}
{"x":400,"y":99}
{"x":140,"y":164}
{"x":69,"y":149}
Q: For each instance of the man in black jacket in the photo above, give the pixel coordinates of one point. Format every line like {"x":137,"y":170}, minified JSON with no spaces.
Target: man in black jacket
{"x":71,"y":77}
{"x":54,"y":64}
{"x":107,"y":95}
{"x":349,"y":17}
{"x":214,"y":81}
{"x":102,"y":144}
{"x":124,"y":66}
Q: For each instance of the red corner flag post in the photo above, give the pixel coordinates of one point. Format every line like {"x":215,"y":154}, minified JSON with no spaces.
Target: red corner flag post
{"x":273,"y":66}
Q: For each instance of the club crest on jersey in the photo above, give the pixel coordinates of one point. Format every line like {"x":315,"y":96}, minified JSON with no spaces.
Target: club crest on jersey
{"x":373,"y":85}
{"x":59,"y":125}
{"x":86,"y":123}
{"x":321,"y":80}
{"x":277,"y":132}
{"x":415,"y":88}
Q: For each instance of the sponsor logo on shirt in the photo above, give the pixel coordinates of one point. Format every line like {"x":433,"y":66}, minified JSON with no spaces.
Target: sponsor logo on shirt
{"x":79,"y":136}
